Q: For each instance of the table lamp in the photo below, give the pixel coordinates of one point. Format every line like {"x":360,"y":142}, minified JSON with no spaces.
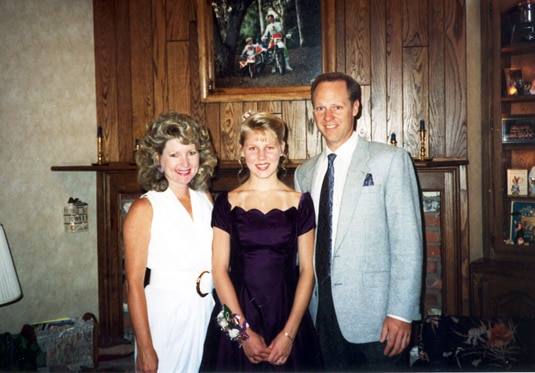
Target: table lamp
{"x":10,"y":290}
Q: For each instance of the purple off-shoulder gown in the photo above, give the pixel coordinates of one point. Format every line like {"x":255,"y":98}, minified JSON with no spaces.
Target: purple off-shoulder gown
{"x":264,"y":272}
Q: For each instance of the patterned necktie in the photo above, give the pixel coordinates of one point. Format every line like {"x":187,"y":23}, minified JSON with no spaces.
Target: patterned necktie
{"x":325,"y":221}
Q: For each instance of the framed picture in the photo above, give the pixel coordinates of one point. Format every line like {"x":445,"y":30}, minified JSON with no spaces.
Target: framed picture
{"x":517,"y":182}
{"x":518,"y":130}
{"x":223,"y":35}
{"x":522,"y":223}
{"x":531,"y":182}
{"x":514,"y":82}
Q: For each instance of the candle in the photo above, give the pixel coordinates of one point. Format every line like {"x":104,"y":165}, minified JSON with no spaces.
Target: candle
{"x":422,"y":125}
{"x":99,"y":131}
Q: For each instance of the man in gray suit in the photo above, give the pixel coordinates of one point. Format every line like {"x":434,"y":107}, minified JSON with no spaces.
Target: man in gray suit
{"x":367,"y":289}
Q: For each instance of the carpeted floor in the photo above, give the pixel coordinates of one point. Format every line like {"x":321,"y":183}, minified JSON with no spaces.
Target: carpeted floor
{"x":123,"y":365}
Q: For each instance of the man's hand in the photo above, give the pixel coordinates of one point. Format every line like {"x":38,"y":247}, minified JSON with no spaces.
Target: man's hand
{"x":397,"y":335}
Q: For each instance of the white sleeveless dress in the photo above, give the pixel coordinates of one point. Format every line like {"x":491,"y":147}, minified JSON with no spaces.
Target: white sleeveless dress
{"x":180,"y":249}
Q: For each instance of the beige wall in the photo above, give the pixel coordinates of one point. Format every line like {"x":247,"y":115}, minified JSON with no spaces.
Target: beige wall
{"x":47,"y":117}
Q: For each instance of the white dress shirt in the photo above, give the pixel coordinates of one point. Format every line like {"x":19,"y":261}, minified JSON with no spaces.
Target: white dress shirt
{"x":341,"y":166}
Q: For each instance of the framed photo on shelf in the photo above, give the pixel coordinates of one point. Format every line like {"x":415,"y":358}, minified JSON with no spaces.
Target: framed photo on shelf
{"x":514,"y":82}
{"x":522,"y":223}
{"x":517,"y":182}
{"x":518,"y":130}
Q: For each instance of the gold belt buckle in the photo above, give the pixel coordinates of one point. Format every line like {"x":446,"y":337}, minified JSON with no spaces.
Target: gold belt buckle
{"x":198,"y":284}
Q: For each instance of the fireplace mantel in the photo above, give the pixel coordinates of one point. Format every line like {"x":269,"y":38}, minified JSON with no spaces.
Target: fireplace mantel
{"x":114,"y":180}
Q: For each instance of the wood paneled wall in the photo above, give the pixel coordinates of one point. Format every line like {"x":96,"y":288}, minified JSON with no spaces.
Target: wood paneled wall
{"x":409,"y":56}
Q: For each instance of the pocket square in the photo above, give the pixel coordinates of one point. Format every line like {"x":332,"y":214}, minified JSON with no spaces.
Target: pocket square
{"x":368,"y":181}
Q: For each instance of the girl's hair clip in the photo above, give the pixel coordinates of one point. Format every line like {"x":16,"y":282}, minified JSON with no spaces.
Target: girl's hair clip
{"x":247,"y":114}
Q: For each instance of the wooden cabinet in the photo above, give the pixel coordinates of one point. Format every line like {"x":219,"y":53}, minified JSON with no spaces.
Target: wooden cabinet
{"x":504,"y":277}
{"x":503,"y":288}
{"x":116,"y":187}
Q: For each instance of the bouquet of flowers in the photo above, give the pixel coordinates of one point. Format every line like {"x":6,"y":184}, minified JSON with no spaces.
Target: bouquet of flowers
{"x":230,"y":324}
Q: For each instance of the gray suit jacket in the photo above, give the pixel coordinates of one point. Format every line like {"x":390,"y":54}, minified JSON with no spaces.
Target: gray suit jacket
{"x":377,"y":260}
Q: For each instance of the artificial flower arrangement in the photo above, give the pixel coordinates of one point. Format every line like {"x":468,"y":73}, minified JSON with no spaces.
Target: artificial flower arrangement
{"x":230,"y":324}
{"x":472,"y":343}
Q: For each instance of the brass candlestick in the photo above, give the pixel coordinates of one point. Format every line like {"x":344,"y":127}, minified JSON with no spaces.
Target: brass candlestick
{"x":136,"y":149}
{"x":99,"y":141}
{"x":422,"y":144}
{"x":423,"y":156}
{"x":100,"y":161}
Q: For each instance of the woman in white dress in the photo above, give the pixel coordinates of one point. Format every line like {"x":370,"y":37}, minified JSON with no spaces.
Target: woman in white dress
{"x":167,"y":234}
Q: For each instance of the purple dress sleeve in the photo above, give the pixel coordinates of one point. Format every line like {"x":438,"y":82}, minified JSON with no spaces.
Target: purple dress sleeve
{"x":221,"y":212}
{"x":306,"y":217}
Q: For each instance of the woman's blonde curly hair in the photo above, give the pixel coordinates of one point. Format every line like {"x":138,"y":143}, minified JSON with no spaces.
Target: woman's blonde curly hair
{"x":169,"y":126}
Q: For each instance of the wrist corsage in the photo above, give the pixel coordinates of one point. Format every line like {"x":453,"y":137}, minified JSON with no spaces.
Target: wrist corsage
{"x":230,"y":324}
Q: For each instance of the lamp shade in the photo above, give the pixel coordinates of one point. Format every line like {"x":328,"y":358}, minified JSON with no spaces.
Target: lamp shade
{"x":9,"y":283}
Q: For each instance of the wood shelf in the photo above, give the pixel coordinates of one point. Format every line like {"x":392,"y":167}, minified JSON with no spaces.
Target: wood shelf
{"x":112,"y":166}
{"x":230,"y":166}
{"x":513,"y":99}
{"x":518,"y":49}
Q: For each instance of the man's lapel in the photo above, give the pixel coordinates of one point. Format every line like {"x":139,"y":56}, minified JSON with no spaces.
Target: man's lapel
{"x":310,"y":172}
{"x":352,"y":190}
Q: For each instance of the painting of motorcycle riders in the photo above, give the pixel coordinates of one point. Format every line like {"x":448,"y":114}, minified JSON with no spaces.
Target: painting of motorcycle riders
{"x":263,"y":43}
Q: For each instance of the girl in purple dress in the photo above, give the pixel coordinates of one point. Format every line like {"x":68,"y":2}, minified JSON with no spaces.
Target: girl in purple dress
{"x":262,"y":263}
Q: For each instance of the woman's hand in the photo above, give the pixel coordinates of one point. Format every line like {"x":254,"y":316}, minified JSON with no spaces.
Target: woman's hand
{"x":147,"y":361}
{"x":280,"y":349}
{"x":255,"y":348}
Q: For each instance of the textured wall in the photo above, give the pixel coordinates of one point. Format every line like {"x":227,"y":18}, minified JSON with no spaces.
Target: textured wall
{"x":47,"y":117}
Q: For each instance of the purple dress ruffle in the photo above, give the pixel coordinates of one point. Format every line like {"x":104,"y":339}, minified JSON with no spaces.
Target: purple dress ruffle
{"x":264,"y":272}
